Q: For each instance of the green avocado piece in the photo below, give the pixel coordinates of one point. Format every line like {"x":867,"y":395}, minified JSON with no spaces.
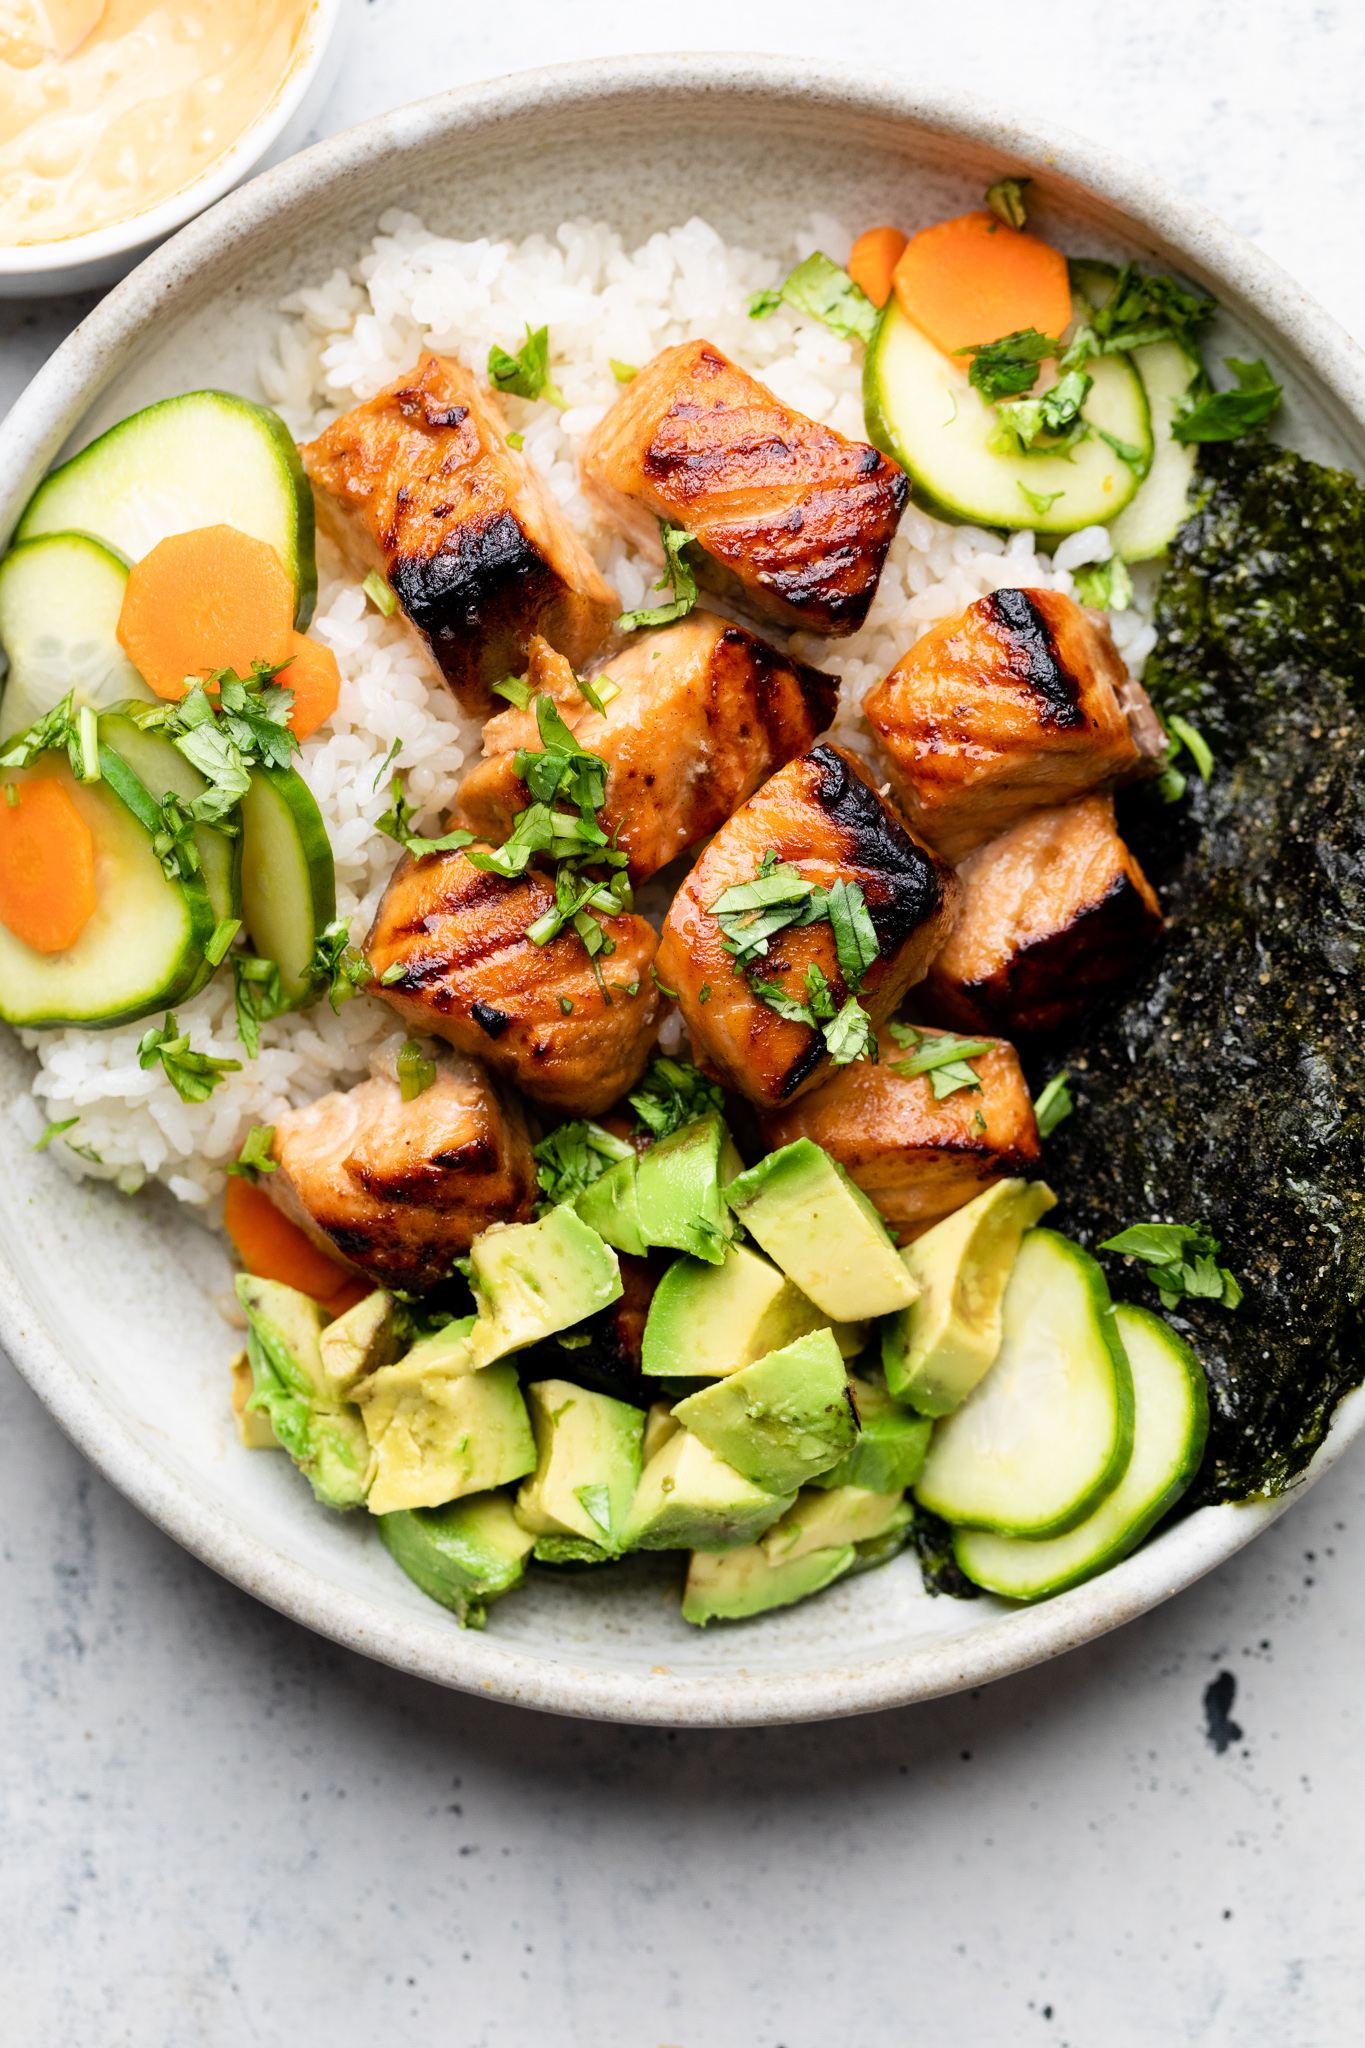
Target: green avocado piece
{"x":532,"y":1279}
{"x":465,"y":1555}
{"x":823,"y":1520}
{"x":678,"y":1190}
{"x":742,"y":1583}
{"x":781,"y":1421}
{"x":439,"y":1435}
{"x":875,"y":1550}
{"x":322,"y":1434}
{"x":709,"y":1320}
{"x":610,"y":1207}
{"x":689,"y":1499}
{"x":367,"y":1337}
{"x":935,"y":1351}
{"x":445,"y":1350}
{"x":890,"y":1448}
{"x":823,"y":1232}
{"x":588,"y":1458}
{"x":659,"y":1427}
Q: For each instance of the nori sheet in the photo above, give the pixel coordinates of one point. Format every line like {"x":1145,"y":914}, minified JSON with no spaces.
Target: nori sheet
{"x":1225,"y":1086}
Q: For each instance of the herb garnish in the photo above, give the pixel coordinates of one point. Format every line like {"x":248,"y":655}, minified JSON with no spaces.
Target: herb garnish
{"x":677,"y":577}
{"x":527,"y":373}
{"x":256,"y":986}
{"x":254,"y":1158}
{"x":1224,"y":415}
{"x":779,"y":898}
{"x":826,"y":293}
{"x":62,"y":726}
{"x":1053,"y":1104}
{"x":416,"y":1073}
{"x":941,"y":1056}
{"x":1178,"y":1261}
{"x":1050,"y":424}
{"x":250,"y":727}
{"x":193,"y":1075}
{"x":379,"y":594}
{"x":54,"y":1131}
{"x":1106,"y":585}
{"x":671,"y":1093}
{"x":573,"y":1157}
{"x":1008,"y":367}
{"x":338,"y":968}
{"x":396,"y":823}
{"x":1041,"y":502}
{"x":1005,"y":199}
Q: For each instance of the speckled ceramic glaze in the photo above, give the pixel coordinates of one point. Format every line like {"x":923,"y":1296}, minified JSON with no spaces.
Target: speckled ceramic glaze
{"x":106,"y":1304}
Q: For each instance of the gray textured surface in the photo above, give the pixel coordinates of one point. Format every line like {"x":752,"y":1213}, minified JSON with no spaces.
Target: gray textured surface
{"x":222,"y":1830}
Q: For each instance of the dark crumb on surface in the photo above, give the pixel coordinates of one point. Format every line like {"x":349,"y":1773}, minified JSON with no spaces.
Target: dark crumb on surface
{"x":1219,"y":1727}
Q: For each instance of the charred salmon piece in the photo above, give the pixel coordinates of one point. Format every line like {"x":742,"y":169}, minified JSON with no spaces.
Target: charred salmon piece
{"x":917,"y":1157}
{"x":705,"y":712}
{"x":1054,"y":912}
{"x":533,"y":1013}
{"x":419,"y":483}
{"x":822,"y":816}
{"x":400,"y":1190}
{"x":791,"y":520}
{"x":1018,"y":702}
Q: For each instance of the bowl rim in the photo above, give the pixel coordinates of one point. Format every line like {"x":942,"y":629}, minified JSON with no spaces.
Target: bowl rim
{"x":48,"y":410}
{"x":151,"y":223}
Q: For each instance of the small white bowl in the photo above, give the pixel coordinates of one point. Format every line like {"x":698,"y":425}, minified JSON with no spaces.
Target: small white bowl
{"x":80,"y":262}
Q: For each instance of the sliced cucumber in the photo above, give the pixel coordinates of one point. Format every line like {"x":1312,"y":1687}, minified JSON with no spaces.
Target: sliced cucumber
{"x":1170,"y":1424}
{"x":1048,"y":1432}
{"x":144,"y":946}
{"x":208,"y":458}
{"x":1149,"y":522}
{"x":60,"y":597}
{"x":288,"y":879}
{"x":923,"y":413}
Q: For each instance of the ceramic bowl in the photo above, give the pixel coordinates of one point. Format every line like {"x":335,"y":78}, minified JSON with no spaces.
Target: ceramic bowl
{"x":106,"y":1303}
{"x":80,"y":262}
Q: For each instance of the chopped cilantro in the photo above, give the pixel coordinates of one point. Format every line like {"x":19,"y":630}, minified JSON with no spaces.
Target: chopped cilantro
{"x":819,"y":994}
{"x":672,"y":1093}
{"x":826,"y":293}
{"x":1224,"y":415}
{"x":527,"y":373}
{"x":416,"y":1073}
{"x":1141,"y":309}
{"x":1005,"y":199}
{"x":174,"y":845}
{"x":1053,"y":1104}
{"x":855,"y":939}
{"x":397,"y":824}
{"x":379,"y":594}
{"x":940,"y":1055}
{"x":1009,"y":367}
{"x":1178,"y":1260}
{"x":61,"y":727}
{"x":704,"y":993}
{"x":677,"y":576}
{"x":762,"y":303}
{"x":671,"y":993}
{"x":256,"y":984}
{"x":1106,"y":585}
{"x":573,"y":1157}
{"x":587,"y":691}
{"x":850,"y":1036}
{"x":254,"y":1158}
{"x":565,"y":1006}
{"x":54,"y":1131}
{"x":1041,"y":502}
{"x":337,"y":968}
{"x":774,"y":997}
{"x":193,"y":1075}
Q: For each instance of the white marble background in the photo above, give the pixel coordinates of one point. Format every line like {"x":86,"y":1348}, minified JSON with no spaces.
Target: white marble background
{"x":217,"y":1829}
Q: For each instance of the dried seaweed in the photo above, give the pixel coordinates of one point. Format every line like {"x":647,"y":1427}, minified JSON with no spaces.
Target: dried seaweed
{"x":1226,"y":1087}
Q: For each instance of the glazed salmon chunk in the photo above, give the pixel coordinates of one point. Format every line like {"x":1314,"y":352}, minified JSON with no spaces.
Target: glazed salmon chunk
{"x":419,"y":482}
{"x":821,"y":818}
{"x":919,"y":1156}
{"x":536,"y":1014}
{"x":790,"y":520}
{"x":1020,"y":701}
{"x":1054,"y":912}
{"x":695,"y":717}
{"x":400,"y":1190}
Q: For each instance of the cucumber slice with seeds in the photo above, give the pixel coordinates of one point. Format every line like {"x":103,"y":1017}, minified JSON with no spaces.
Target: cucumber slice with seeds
{"x":288,"y":877}
{"x":208,"y":458}
{"x":923,"y":413}
{"x":60,"y":597}
{"x":1170,"y":1425}
{"x":1048,"y":1432}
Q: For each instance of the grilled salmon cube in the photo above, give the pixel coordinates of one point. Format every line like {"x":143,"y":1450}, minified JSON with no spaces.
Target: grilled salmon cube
{"x":400,"y":1190}
{"x":704,"y":712}
{"x":791,"y":521}
{"x":821,"y":816}
{"x":1054,"y":912}
{"x":419,"y":483}
{"x":1020,"y":701}
{"x":534,"y":1013}
{"x":917,"y":1156}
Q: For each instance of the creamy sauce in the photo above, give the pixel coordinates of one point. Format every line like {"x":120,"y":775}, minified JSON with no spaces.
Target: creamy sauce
{"x":107,"y":107}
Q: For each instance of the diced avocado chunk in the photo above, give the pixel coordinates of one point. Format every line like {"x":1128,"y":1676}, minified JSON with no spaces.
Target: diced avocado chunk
{"x":742,"y":1583}
{"x":324,"y":1436}
{"x":532,"y":1279}
{"x":679,"y":1189}
{"x":445,"y":1350}
{"x":823,"y":1232}
{"x":875,"y":1550}
{"x":822,"y":1521}
{"x":465,"y":1555}
{"x":609,"y":1206}
{"x":659,"y":1427}
{"x":711,"y":1320}
{"x":935,"y":1351}
{"x":588,"y":1460}
{"x":688,"y":1499}
{"x":363,"y":1340}
{"x":253,"y":1426}
{"x":851,"y":1338}
{"x":438,"y":1436}
{"x":890,"y":1448}
{"x":781,"y":1421}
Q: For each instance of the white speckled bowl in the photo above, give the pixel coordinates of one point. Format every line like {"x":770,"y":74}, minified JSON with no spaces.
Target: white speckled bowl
{"x":78,"y":262}
{"x":105,"y":1303}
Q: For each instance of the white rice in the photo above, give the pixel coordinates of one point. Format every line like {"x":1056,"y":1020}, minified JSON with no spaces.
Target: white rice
{"x":343,"y":340}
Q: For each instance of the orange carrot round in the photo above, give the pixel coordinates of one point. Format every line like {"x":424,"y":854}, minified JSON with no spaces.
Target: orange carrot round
{"x":214,"y":598}
{"x":47,"y":866}
{"x":971,"y":280}
{"x":273,"y":1248}
{"x":874,"y":259}
{"x":312,"y":674}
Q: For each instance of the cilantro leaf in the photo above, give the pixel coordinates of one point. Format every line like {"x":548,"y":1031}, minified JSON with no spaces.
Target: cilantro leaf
{"x":1143,"y":309}
{"x":1106,"y":585}
{"x":174,"y":844}
{"x":337,"y":969}
{"x":1053,"y":1104}
{"x":776,"y":998}
{"x":573,"y":1157}
{"x":416,"y":1073}
{"x":821,"y":289}
{"x":254,"y":1158}
{"x":1179,"y":1262}
{"x":1050,"y":424}
{"x":193,"y":1075}
{"x":677,"y":576}
{"x":1224,"y":415}
{"x":672,"y":1093}
{"x":1009,"y":366}
{"x":1041,"y":502}
{"x":855,"y":938}
{"x":54,"y":1130}
{"x":762,"y":303}
{"x":397,"y":824}
{"x":850,"y":1036}
{"x":561,"y":768}
{"x":1005,"y":199}
{"x":527,"y":373}
{"x":61,"y":727}
{"x":819,"y":994}
{"x":256,"y":986}
{"x":942,"y":1056}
